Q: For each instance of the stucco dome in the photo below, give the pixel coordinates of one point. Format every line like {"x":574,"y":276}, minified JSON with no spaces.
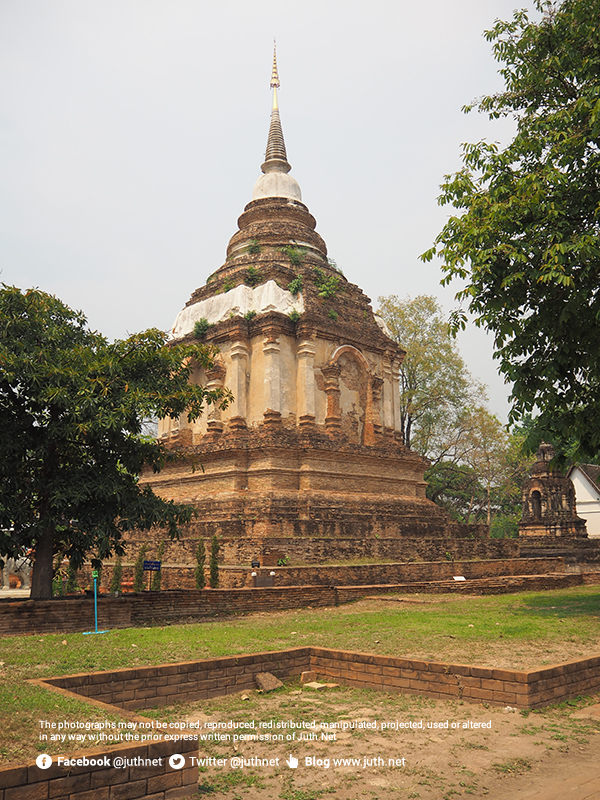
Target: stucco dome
{"x":276,"y":184}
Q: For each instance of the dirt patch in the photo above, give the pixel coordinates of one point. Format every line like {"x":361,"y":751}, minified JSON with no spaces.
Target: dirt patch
{"x":352,"y":744}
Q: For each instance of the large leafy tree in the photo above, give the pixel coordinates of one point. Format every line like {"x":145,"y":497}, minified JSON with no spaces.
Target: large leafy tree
{"x":435,"y":384}
{"x":72,"y":408}
{"x":527,"y":242}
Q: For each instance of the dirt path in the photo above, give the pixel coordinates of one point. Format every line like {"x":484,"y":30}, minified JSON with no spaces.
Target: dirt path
{"x":392,"y":747}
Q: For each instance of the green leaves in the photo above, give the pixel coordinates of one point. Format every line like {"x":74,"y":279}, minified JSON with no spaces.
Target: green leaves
{"x":71,"y":412}
{"x":527,"y":240}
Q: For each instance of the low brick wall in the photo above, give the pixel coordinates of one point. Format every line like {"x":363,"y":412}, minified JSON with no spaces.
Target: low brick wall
{"x":184,"y":682}
{"x":483,"y":586}
{"x":72,"y":615}
{"x":168,"y":684}
{"x":575,"y":551}
{"x":91,"y":782}
{"x":400,"y":573}
{"x":521,"y":689}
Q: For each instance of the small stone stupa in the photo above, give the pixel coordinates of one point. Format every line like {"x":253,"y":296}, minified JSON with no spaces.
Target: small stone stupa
{"x":310,"y":446}
{"x":549,"y":501}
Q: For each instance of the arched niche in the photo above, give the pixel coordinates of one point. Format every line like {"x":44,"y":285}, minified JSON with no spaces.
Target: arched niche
{"x":536,"y":504}
{"x":354,"y":394}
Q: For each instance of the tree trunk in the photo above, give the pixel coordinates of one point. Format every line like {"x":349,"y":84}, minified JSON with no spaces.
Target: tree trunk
{"x":41,"y":580}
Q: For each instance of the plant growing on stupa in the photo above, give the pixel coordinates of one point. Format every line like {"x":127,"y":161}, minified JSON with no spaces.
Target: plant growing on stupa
{"x":295,"y":285}
{"x":327,"y":287}
{"x":253,"y":276}
{"x":201,"y":326}
{"x":295,"y":254}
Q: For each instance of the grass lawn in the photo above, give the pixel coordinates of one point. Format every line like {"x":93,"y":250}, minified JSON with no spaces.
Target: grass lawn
{"x":521,"y":630}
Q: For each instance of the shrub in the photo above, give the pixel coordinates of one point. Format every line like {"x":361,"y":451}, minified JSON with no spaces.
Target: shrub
{"x":138,"y":570}
{"x":249,"y":315}
{"x":201,"y":326}
{"x":294,"y":315}
{"x":295,"y":285}
{"x":200,"y":561}
{"x":155,"y":584}
{"x":253,"y":276}
{"x":214,"y":563}
{"x":295,"y":254}
{"x":117,"y":577}
{"x":72,"y":585}
{"x":327,"y":288}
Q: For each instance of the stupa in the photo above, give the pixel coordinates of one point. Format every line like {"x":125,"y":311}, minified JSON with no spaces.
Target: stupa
{"x":549,"y":507}
{"x":310,"y":446}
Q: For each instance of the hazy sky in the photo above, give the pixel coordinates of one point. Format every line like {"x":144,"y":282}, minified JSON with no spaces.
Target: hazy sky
{"x":132,"y":132}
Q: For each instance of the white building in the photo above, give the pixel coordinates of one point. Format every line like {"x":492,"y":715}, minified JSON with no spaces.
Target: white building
{"x":586,"y":480}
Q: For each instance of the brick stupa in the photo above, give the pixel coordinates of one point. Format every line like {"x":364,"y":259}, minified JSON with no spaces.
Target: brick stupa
{"x":310,"y":447}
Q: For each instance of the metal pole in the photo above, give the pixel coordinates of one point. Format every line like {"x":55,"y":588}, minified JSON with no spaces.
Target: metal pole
{"x":95,"y":606}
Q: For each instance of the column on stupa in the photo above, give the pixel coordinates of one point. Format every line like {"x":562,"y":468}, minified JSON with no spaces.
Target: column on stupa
{"x":215,"y":380}
{"x":238,"y":408}
{"x":397,"y":425}
{"x":333,"y":415}
{"x":305,"y":382}
{"x":376,"y":390}
{"x":272,"y":378}
{"x":388,"y":397}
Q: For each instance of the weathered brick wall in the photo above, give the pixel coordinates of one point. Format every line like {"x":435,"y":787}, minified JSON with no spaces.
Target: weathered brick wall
{"x":181,"y":605}
{"x":69,"y":615}
{"x":499,"y":585}
{"x":573,"y":550}
{"x":91,"y":782}
{"x":522,"y":689}
{"x":371,"y":574}
{"x":179,"y":557}
{"x":167,"y":684}
{"x":148,"y":687}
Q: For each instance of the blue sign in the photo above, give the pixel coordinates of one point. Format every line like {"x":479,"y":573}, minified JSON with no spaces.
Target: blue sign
{"x":152,"y":566}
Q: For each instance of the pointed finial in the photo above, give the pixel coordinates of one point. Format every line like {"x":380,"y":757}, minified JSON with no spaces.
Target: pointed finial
{"x":275,"y":75}
{"x":275,"y":182}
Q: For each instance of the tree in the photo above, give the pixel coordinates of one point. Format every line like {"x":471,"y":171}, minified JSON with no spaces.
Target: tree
{"x":71,"y":412}
{"x":456,"y":488}
{"x":528,"y":240}
{"x":467,"y":483}
{"x":435,"y":385}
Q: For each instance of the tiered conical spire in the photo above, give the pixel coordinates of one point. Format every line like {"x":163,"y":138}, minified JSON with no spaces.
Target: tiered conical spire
{"x":275,"y":156}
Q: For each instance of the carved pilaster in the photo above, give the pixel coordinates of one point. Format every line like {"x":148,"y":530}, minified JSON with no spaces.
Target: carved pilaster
{"x":387,"y":398}
{"x":397,"y":420}
{"x":333,"y":415}
{"x":237,"y":383}
{"x":376,"y":388}
{"x":272,"y":357}
{"x":215,"y":380}
{"x":305,"y":382}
